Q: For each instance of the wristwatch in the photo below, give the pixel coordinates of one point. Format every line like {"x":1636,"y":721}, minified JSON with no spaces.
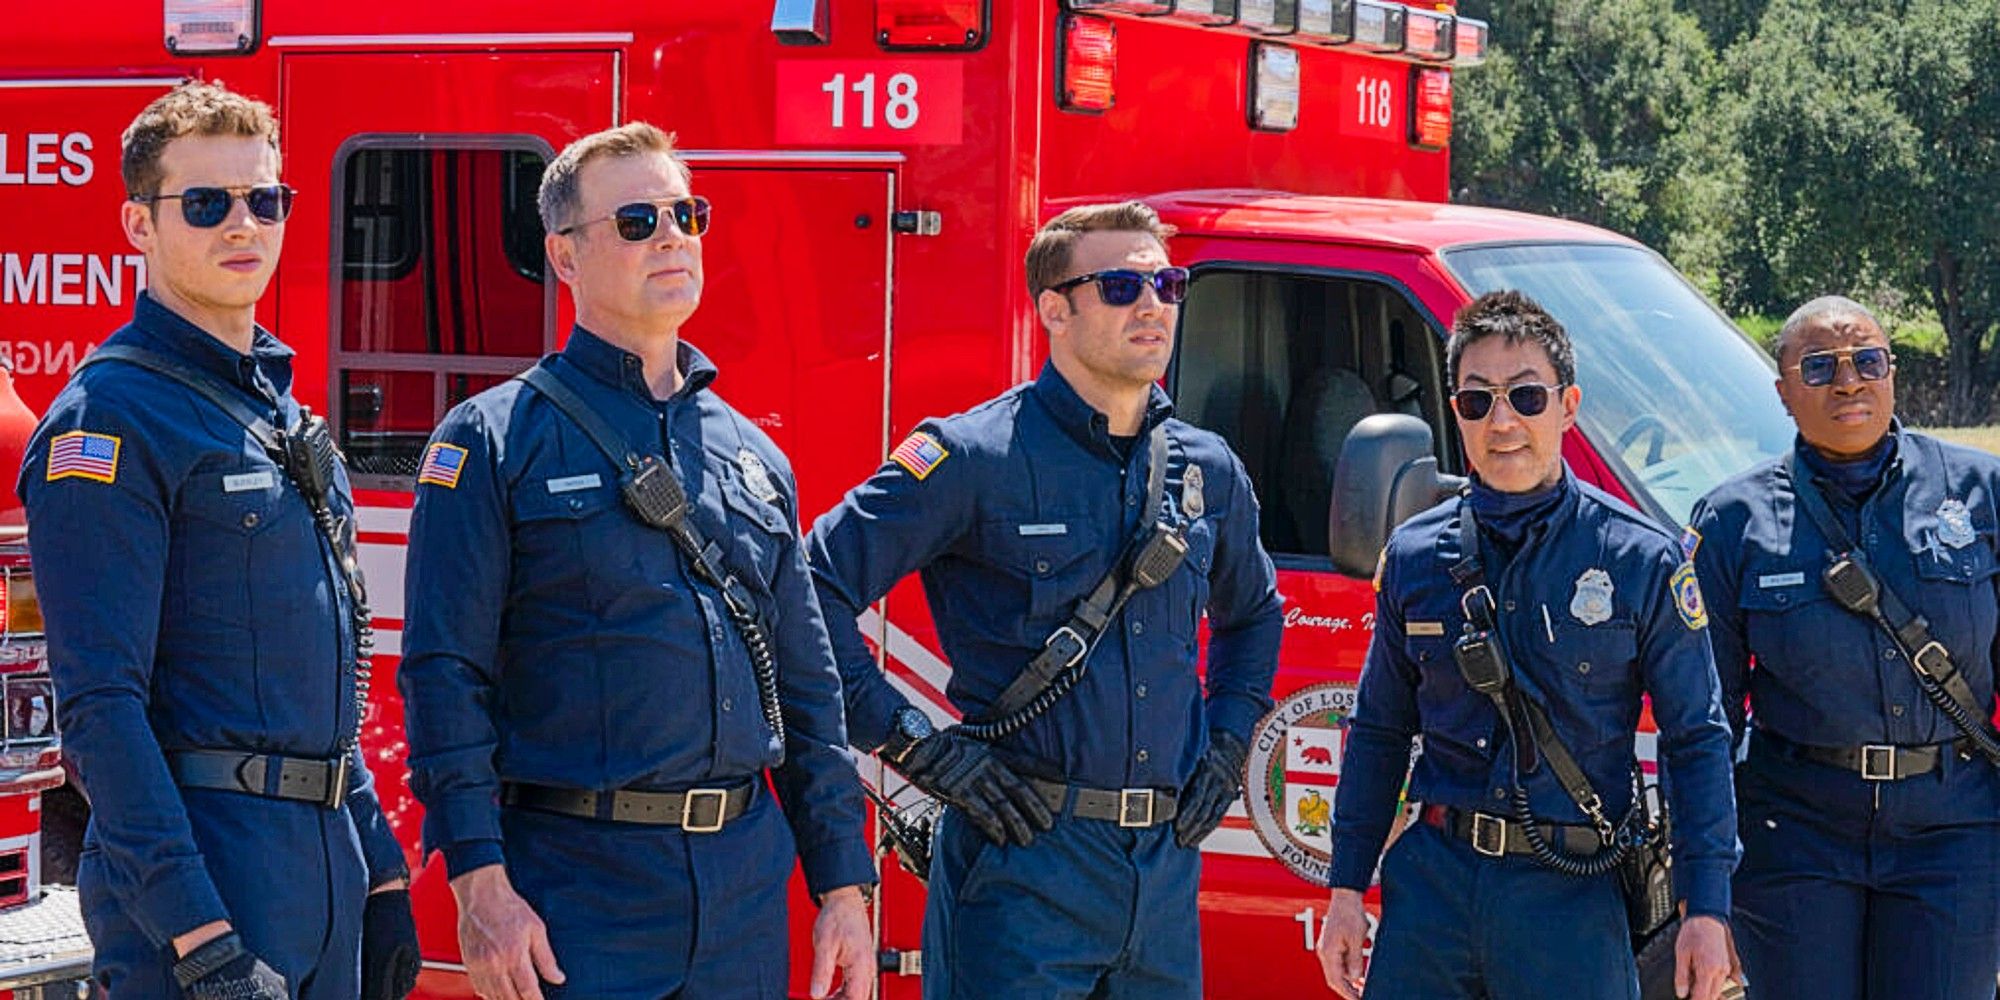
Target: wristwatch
{"x":908,"y":726}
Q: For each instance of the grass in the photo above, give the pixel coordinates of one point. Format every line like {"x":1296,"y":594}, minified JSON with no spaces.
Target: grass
{"x":1984,"y":438}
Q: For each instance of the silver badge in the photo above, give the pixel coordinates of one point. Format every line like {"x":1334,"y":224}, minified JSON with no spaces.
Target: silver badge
{"x":1192,"y":503}
{"x":1592,"y":603}
{"x":1955,"y":524}
{"x":756,"y":478}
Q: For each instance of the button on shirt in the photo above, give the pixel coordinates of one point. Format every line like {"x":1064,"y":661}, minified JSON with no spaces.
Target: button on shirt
{"x":555,"y":639}
{"x":1815,"y":673}
{"x":1026,"y":512}
{"x":1597,"y":622}
{"x":191,"y":602}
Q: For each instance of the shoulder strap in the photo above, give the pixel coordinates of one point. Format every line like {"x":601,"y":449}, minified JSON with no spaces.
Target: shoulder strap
{"x":1937,"y":674}
{"x":1478,"y":605}
{"x":1069,"y":645}
{"x":544,"y":380}
{"x":225,"y":398}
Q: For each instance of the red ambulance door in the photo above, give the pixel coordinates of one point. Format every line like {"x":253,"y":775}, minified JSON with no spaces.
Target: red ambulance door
{"x":414,"y":278}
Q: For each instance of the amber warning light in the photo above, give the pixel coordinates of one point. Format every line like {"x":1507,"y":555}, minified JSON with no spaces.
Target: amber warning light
{"x":1089,"y":64}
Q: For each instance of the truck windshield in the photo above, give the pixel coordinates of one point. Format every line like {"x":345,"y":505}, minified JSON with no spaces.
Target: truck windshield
{"x":1674,"y":396}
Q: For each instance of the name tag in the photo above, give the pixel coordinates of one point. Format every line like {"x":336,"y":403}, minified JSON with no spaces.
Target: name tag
{"x":1424,"y":628}
{"x":1781,"y":580}
{"x":248,"y":481}
{"x":1039,"y":530}
{"x":570,"y":484}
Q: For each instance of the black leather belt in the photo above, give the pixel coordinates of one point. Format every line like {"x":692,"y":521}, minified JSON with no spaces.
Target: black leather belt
{"x":1497,"y":836}
{"x":299,"y":779}
{"x":1136,"y":808}
{"x":1873,"y":761}
{"x":697,"y":810}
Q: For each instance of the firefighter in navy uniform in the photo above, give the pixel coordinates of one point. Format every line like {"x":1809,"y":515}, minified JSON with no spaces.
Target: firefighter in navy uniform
{"x":612,"y":636}
{"x":1066,"y":863}
{"x":1870,"y":817}
{"x":192,"y":536}
{"x":1565,"y":606}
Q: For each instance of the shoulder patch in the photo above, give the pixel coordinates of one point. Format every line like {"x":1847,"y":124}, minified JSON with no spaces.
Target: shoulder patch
{"x":443,"y":464}
{"x":1690,"y":542}
{"x":84,"y":455}
{"x":1687,"y":598}
{"x":920,"y":454}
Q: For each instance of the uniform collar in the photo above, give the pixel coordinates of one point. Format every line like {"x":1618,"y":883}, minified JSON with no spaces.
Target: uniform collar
{"x":1080,"y":419}
{"x":1856,"y":479}
{"x":621,"y":369}
{"x":188,"y":342}
{"x":1511,"y":518}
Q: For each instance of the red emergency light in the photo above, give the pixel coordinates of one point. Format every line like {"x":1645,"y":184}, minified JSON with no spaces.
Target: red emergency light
{"x":1469,"y":38}
{"x":1089,"y":64}
{"x":1427,"y":34}
{"x":1430,"y":107}
{"x":931,"y":24}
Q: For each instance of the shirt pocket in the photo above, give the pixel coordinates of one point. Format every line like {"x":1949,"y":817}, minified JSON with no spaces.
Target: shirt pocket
{"x":239,"y":527}
{"x":1188,"y":587}
{"x":572,"y":542}
{"x":1795,"y":630}
{"x":1457,"y":722}
{"x":1596,"y":680}
{"x":758,"y":531}
{"x":1052,"y":559}
{"x":1955,"y":591}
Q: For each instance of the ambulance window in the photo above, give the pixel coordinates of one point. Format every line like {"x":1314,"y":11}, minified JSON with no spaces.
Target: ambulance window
{"x":1284,"y":364}
{"x":441,"y":287}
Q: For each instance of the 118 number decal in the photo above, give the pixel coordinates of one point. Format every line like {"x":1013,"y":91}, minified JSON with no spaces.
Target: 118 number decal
{"x":899,"y":108}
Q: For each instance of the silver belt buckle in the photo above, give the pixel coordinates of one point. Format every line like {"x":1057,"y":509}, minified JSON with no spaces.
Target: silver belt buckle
{"x":1489,"y":835}
{"x":1071,"y":642}
{"x":1135,"y":807}
{"x":336,"y":783}
{"x":1878,"y":762}
{"x":689,"y":798}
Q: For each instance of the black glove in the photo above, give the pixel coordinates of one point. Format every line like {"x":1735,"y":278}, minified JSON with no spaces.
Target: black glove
{"x":389,"y":956}
{"x":962,"y":772}
{"x":1217,"y":781}
{"x":223,"y":969}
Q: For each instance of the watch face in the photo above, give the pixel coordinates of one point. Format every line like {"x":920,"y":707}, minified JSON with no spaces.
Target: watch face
{"x":914,"y":724}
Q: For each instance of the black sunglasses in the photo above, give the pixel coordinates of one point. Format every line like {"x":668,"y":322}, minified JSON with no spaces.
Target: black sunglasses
{"x":1120,"y":286}
{"x":1819,"y":368}
{"x":638,"y":221}
{"x":1528,"y":399}
{"x":206,"y":207}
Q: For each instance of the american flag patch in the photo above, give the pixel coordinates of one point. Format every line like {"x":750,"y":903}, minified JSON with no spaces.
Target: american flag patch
{"x":442,"y":465}
{"x":85,"y":456}
{"x":919,"y":454}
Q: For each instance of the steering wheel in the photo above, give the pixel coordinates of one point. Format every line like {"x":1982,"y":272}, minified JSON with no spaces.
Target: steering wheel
{"x":1646,"y":425}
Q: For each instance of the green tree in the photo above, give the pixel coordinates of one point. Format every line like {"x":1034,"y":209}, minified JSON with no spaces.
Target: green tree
{"x":1868,"y":137}
{"x":1598,"y":112}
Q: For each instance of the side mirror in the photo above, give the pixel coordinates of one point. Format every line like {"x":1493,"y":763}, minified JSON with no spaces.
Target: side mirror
{"x":1386,"y":474}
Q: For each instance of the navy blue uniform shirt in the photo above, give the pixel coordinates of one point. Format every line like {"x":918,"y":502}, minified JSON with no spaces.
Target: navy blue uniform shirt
{"x":191,"y":602}
{"x":1026,"y":510}
{"x":552,"y":638}
{"x":1824,"y":676}
{"x":1596,"y":608}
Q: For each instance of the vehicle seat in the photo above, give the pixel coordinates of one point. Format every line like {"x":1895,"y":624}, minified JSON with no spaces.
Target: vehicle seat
{"x":1324,"y":409}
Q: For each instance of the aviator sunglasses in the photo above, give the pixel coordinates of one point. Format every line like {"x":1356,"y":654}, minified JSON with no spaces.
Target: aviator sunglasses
{"x":206,"y":207}
{"x":1528,"y":399}
{"x":1120,"y":286}
{"x":638,"y":221}
{"x":1820,"y":368}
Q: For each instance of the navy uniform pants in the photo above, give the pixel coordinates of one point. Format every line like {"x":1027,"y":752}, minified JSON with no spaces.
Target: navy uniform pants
{"x":639,"y":912}
{"x":1089,"y":909}
{"x":289,"y":873}
{"x":1853,"y":889}
{"x":1457,"y":925}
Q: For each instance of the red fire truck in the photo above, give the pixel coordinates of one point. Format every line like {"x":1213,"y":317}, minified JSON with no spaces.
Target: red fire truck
{"x":877,"y":167}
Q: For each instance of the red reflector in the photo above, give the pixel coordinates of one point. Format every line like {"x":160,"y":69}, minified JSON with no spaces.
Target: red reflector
{"x":1430,"y":108}
{"x":930,"y":24}
{"x":1089,"y":64}
{"x":6,"y":606}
